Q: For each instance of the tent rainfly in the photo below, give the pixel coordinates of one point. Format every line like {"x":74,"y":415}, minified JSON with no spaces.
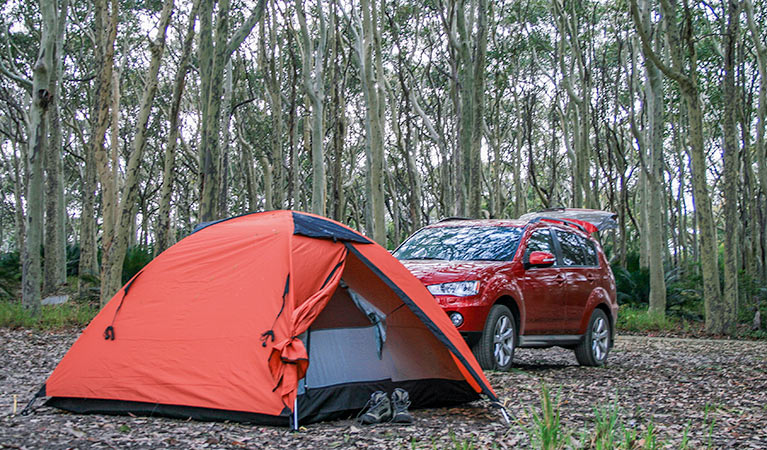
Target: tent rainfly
{"x":271,"y":318}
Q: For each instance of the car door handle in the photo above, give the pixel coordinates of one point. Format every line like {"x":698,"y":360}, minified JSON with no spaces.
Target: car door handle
{"x":591,"y":278}
{"x":560,"y":279}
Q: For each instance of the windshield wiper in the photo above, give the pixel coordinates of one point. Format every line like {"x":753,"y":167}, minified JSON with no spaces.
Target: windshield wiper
{"x":426,"y":258}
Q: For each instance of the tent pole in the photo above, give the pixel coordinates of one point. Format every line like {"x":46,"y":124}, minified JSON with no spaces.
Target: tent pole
{"x":295,"y":414}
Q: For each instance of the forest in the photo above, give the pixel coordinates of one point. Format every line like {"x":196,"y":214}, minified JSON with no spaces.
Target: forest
{"x":125,"y":123}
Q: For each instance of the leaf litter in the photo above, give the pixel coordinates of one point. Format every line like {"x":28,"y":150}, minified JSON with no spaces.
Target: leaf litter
{"x":711,"y":393}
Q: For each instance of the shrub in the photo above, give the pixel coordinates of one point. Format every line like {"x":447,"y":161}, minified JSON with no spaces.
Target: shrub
{"x":51,"y":317}
{"x":640,"y":320}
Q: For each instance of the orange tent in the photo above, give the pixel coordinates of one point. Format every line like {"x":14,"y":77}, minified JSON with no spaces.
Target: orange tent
{"x":250,"y":316}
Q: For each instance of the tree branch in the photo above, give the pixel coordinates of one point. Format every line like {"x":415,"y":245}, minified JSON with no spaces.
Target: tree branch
{"x":648,"y":51}
{"x":239,"y":36}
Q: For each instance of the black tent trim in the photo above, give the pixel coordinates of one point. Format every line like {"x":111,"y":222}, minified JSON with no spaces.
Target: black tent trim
{"x":424,"y":318}
{"x":318,"y":227}
{"x":315,"y":405}
{"x":305,"y":225}
{"x":125,"y":407}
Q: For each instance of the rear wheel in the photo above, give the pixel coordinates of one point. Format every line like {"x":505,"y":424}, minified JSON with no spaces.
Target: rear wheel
{"x":495,"y":349}
{"x":593,"y":349}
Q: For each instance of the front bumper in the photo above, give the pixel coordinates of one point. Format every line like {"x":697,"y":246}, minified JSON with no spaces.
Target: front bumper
{"x":473,"y":311}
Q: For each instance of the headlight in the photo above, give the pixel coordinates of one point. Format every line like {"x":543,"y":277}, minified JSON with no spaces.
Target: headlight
{"x":457,"y":289}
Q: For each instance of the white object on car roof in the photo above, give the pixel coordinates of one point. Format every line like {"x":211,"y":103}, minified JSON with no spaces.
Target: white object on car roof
{"x":602,"y":220}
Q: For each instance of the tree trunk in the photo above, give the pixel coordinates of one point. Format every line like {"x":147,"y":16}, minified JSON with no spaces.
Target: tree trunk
{"x":761,"y":146}
{"x":87,"y":267}
{"x":106,"y":26}
{"x":164,"y":237}
{"x":43,"y":69}
{"x":113,"y":256}
{"x":213,"y":61}
{"x":18,"y":193}
{"x":270,"y":64}
{"x":404,"y":144}
{"x":655,"y":179}
{"x":477,"y":116}
{"x":314,"y":87}
{"x":55,"y":266}
{"x":731,"y":171}
{"x":688,"y":86}
{"x":368,"y":48}
{"x":580,"y":103}
{"x":223,"y":161}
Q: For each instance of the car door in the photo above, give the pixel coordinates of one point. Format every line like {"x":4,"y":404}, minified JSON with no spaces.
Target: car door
{"x":544,"y":307}
{"x":578,"y":266}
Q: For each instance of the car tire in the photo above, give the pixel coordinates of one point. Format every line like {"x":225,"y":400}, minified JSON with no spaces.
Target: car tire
{"x":495,"y":349}
{"x":593,"y":349}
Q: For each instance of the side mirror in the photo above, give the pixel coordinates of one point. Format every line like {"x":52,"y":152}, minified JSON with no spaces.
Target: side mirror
{"x":540,"y":259}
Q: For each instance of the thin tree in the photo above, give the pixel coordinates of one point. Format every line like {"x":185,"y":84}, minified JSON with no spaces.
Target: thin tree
{"x":214,"y":59}
{"x":37,"y":135}
{"x":682,"y":46}
{"x":731,"y":170}
{"x":164,"y":237}
{"x":114,"y":255}
{"x":761,"y":125}
{"x":55,"y":265}
{"x":312,"y":71}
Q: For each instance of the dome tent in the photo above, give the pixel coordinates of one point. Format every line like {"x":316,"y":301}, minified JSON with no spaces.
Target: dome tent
{"x":250,"y":316}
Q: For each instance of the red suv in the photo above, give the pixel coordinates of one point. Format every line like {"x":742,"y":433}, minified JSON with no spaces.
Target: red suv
{"x":538,"y":282}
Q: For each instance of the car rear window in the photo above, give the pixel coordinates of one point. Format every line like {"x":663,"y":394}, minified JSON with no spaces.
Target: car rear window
{"x":591,"y":254}
{"x":576,"y":250}
{"x":461,"y":244}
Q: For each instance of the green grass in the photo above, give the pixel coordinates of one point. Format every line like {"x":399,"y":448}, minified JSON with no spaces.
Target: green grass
{"x":606,"y":433}
{"x":547,"y":431}
{"x":639,"y":320}
{"x":53,"y":317}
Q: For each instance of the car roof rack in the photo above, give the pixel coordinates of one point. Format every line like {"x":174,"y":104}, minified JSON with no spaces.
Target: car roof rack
{"x":553,"y":209}
{"x":454,"y":218}
{"x":560,"y":220}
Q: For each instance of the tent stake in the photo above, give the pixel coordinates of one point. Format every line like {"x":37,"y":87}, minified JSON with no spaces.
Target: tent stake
{"x":505,"y":415}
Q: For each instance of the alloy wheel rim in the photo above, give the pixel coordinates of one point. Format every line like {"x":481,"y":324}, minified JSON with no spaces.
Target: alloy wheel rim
{"x":503,"y":341}
{"x":599,"y":339}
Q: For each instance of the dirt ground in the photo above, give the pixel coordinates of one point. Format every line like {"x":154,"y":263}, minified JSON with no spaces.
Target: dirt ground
{"x":714,"y":392}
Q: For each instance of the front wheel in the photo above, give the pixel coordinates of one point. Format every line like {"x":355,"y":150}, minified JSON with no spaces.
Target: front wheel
{"x":593,"y":349}
{"x":495,"y":349}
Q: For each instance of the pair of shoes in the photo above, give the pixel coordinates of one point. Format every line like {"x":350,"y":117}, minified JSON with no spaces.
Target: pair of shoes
{"x":384,"y":410}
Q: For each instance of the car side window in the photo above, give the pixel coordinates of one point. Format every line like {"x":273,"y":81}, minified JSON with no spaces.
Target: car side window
{"x":540,"y":241}
{"x":572,"y":248}
{"x":591,"y":253}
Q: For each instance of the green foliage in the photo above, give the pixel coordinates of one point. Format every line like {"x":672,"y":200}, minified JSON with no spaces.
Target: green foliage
{"x":684,"y":300}
{"x":135,"y":259}
{"x":683,"y":292}
{"x":10,"y":274}
{"x":638,"y":319}
{"x":606,"y":432}
{"x":632,"y":282}
{"x":685,"y":437}
{"x":630,"y":438}
{"x":73,"y":259}
{"x":464,"y":444}
{"x":547,"y":431}
{"x":52,"y":317}
{"x":610,"y":433}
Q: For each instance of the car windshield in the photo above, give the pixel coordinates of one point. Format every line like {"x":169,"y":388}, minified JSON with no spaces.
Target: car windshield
{"x":461,"y":244}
